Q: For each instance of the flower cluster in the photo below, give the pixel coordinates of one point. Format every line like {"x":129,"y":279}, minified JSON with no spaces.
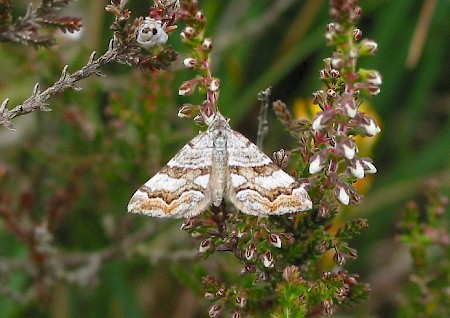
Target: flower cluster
{"x":193,"y":37}
{"x":334,"y":158}
{"x":149,"y":33}
{"x":279,"y":255}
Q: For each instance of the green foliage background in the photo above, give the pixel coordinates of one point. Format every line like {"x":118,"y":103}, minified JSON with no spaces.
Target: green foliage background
{"x":81,"y":162}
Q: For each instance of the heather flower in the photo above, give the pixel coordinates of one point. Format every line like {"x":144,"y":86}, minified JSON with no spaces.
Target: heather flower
{"x":187,"y":33}
{"x":267,"y":259}
{"x":349,"y":106}
{"x":317,"y":123}
{"x":317,"y":163}
{"x":241,"y":301}
{"x":214,"y":85}
{"x":214,"y":311}
{"x":368,"y":165}
{"x":342,"y":195}
{"x":250,"y":252}
{"x":187,"y":110}
{"x":275,"y":240}
{"x":190,"y":63}
{"x":236,"y":315}
{"x":150,"y":33}
{"x":187,"y":88}
{"x":205,"y":245}
{"x":357,"y":169}
{"x":207,"y":45}
{"x":370,"y":127}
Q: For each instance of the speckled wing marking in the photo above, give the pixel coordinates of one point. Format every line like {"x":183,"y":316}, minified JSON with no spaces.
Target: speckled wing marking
{"x":180,"y":189}
{"x":256,"y":185}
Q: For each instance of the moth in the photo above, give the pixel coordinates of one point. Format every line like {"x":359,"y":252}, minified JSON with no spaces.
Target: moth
{"x":219,"y":164}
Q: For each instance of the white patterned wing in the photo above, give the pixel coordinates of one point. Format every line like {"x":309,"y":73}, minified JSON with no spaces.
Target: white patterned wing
{"x":256,"y":185}
{"x":181,"y":188}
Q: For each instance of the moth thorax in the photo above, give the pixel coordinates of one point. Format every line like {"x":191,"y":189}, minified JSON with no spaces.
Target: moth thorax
{"x":219,"y":141}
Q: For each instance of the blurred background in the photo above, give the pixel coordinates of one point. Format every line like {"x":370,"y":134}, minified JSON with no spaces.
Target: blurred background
{"x":67,"y":175}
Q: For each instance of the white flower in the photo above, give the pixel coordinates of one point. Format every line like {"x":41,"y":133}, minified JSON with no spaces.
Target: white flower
{"x":374,"y":78}
{"x":371,"y":128}
{"x":351,"y":111}
{"x":214,"y":85}
{"x":250,"y":252}
{"x":183,"y":92}
{"x":267,"y":259}
{"x":316,"y":125}
{"x":205,"y":245}
{"x":368,"y":46}
{"x":369,"y":166}
{"x":207,"y":44}
{"x":189,"y":62}
{"x":275,"y":240}
{"x":150,"y":33}
{"x":357,"y":170}
{"x":349,"y":152}
{"x":315,"y":166}
{"x":343,"y":196}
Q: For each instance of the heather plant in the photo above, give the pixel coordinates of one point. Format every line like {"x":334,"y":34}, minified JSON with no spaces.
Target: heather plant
{"x":69,"y":248}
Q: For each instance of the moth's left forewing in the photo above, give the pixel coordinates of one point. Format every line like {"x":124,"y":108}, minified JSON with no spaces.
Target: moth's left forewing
{"x":256,"y":185}
{"x":181,"y":188}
